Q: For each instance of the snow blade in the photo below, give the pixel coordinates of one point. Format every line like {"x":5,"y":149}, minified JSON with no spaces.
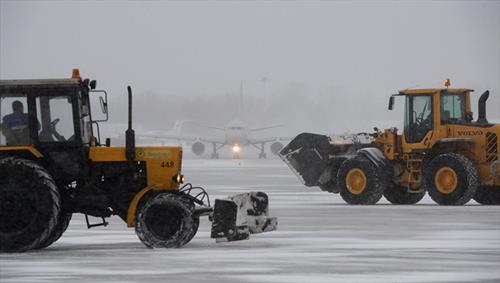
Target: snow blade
{"x":240,"y":215}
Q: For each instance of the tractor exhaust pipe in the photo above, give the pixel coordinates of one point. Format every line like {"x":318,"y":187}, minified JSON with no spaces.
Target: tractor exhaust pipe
{"x":130,"y":134}
{"x":481,"y":119}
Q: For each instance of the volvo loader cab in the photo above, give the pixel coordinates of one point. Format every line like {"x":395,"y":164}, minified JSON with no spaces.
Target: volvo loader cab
{"x":53,"y":164}
{"x":441,"y":150}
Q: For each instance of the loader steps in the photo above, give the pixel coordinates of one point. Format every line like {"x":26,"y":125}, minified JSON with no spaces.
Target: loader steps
{"x":414,"y":167}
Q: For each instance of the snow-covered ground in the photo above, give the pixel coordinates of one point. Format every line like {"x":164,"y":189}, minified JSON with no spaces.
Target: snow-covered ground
{"x":320,"y":239}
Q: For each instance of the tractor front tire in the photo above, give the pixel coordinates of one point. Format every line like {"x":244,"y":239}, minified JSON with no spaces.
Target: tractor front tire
{"x":489,"y":195}
{"x":451,"y":179}
{"x":166,"y":220}
{"x":30,"y":205}
{"x":360,"y":181}
{"x":396,"y":194}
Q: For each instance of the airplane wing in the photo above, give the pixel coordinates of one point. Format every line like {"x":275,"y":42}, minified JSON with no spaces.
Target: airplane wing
{"x":183,"y":138}
{"x":269,"y":139}
{"x":265,"y":128}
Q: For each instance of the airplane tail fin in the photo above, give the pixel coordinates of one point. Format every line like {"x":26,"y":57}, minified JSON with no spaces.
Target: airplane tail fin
{"x":177,"y":128}
{"x":240,"y":108}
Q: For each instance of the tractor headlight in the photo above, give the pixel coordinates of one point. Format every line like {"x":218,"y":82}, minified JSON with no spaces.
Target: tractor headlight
{"x":179,"y":178}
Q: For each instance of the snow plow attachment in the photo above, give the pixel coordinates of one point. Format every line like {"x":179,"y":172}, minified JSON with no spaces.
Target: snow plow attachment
{"x":315,"y":159}
{"x":238,"y":216}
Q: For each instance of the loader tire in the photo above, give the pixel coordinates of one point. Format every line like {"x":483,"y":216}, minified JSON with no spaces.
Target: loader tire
{"x":166,"y":221}
{"x":360,"y":181}
{"x":489,"y":195}
{"x":396,"y":194}
{"x":331,"y":175}
{"x":30,"y":205}
{"x":451,"y":179}
{"x":62,"y":225}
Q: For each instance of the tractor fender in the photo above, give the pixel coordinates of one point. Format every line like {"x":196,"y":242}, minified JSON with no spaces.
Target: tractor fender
{"x":132,"y":208}
{"x":21,"y":151}
{"x":375,"y":155}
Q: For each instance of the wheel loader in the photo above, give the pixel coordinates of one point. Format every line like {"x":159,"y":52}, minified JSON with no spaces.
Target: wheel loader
{"x":441,"y":151}
{"x":53,"y":164}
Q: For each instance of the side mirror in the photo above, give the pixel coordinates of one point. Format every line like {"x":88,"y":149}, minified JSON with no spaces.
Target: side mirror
{"x":93,"y":84}
{"x":391,"y":102}
{"x":104,"y":105}
{"x":103,"y":101}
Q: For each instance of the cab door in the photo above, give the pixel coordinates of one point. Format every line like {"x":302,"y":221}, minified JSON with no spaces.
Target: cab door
{"x":58,"y":137}
{"x":419,"y":121}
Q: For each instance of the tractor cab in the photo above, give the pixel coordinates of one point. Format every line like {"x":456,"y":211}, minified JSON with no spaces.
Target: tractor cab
{"x":51,"y":117}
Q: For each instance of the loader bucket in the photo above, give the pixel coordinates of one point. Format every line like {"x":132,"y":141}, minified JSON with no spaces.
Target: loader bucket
{"x":310,"y":156}
{"x":238,"y":216}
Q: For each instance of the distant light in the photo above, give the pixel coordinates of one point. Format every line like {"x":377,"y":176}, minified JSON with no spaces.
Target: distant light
{"x":236,"y":148}
{"x":447,"y":82}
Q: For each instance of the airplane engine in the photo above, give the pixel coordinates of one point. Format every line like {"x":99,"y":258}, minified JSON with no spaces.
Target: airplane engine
{"x":198,"y":148}
{"x":276,"y":147}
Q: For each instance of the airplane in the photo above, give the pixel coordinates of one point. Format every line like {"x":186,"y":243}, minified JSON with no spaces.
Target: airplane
{"x":237,"y":134}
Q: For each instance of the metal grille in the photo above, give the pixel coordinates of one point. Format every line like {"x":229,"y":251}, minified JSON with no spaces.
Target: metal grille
{"x":491,"y":147}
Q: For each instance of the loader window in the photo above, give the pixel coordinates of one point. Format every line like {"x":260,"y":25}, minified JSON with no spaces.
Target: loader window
{"x":56,"y":116}
{"x":418,"y":117}
{"x":14,"y":120}
{"x":453,"y":108}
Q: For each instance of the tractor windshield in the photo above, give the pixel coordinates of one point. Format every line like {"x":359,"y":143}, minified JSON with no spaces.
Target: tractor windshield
{"x":56,"y":116}
{"x":453,"y":108}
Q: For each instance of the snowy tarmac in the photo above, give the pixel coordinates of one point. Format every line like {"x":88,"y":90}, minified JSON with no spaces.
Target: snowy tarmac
{"x":319,"y":239}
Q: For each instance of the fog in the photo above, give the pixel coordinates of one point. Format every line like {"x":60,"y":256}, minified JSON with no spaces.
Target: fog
{"x":315,"y":66}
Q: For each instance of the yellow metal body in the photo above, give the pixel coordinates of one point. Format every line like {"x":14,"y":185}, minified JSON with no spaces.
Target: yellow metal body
{"x":468,"y":139}
{"x":163,"y":166}
{"x":29,"y":148}
{"x":162,"y":163}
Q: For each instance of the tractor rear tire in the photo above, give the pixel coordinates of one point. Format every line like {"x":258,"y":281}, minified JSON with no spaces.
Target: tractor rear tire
{"x":62,"y":225}
{"x":360,"y":181}
{"x":166,"y":220}
{"x":396,"y":194}
{"x":30,"y":205}
{"x":451,"y":179}
{"x":489,"y":195}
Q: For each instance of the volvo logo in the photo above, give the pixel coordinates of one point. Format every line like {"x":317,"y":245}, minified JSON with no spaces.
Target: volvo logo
{"x":470,"y":133}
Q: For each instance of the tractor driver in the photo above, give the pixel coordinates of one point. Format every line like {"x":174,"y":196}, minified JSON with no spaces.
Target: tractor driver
{"x":15,"y":125}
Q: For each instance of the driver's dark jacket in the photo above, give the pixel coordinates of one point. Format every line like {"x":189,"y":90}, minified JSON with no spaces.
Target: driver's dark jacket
{"x":18,"y":124}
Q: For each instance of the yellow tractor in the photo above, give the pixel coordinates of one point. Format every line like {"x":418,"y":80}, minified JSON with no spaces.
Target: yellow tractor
{"x":441,"y":151}
{"x":52,"y":164}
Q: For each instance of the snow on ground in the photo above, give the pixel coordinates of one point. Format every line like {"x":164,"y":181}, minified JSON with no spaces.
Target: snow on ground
{"x":320,"y":239}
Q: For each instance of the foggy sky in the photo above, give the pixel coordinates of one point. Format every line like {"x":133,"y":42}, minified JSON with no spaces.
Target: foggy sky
{"x":330,"y":65}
